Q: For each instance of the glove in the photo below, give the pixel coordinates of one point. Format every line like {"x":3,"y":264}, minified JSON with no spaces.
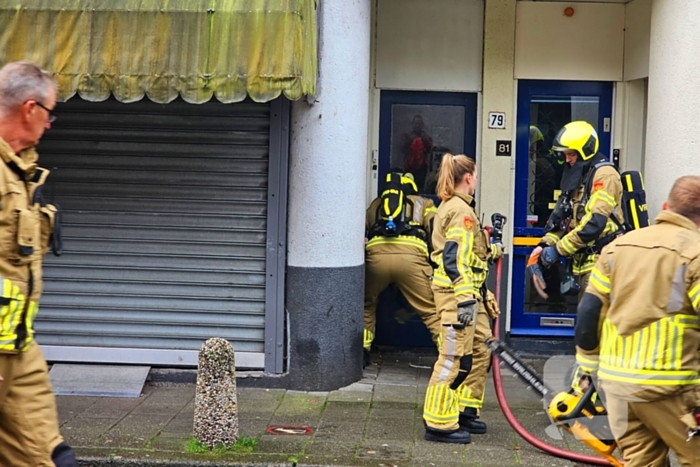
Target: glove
{"x":496,"y":250}
{"x":534,"y":271}
{"x":549,"y":256}
{"x":581,"y":380}
{"x":466,"y":312}
{"x":491,"y":305}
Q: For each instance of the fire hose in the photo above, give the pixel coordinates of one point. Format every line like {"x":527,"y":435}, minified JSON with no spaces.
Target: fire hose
{"x":508,"y":413}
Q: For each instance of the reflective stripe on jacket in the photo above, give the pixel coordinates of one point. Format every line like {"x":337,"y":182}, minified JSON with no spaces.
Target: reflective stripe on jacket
{"x":649,"y":284}
{"x":27,"y":226}
{"x":460,"y":248}
{"x":424,"y":211}
{"x":592,"y":219}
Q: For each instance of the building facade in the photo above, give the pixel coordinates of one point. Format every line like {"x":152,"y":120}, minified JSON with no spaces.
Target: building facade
{"x":222,"y":193}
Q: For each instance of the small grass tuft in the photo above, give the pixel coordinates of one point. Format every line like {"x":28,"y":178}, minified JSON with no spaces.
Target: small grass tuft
{"x":244,"y":445}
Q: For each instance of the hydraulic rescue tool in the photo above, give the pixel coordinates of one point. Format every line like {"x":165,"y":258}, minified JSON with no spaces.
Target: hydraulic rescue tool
{"x":582,"y":415}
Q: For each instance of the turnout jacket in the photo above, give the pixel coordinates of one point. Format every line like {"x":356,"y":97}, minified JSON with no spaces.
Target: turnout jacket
{"x":28,"y":227}
{"x":461,"y":248}
{"x":648,"y":282}
{"x":421,"y":221}
{"x":592,"y":218}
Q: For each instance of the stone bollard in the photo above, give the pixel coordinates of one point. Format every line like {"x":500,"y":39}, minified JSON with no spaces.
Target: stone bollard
{"x":215,"y":403}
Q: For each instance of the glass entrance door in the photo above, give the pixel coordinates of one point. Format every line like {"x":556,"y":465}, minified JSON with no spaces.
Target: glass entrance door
{"x":415,"y":130}
{"x":544,"y":107}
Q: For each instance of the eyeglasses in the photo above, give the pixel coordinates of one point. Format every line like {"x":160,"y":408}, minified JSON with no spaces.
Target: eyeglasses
{"x":52,"y":118}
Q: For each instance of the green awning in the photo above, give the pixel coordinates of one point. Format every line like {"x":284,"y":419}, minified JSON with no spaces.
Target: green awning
{"x":165,"y":48}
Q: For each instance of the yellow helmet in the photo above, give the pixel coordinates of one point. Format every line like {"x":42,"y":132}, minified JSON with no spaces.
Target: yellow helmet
{"x":577,"y":136}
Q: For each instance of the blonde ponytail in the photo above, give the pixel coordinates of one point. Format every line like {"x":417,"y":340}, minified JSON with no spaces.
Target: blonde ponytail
{"x":452,"y":170}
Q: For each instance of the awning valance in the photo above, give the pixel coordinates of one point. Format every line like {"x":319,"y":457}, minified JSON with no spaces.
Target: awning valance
{"x":165,"y":48}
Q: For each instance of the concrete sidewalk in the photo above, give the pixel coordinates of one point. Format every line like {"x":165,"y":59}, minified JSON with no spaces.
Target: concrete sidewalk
{"x":375,"y":422}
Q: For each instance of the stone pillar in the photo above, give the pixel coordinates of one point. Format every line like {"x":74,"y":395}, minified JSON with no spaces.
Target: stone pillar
{"x":673,"y":138}
{"x":496,"y":180}
{"x":327,"y":178}
{"x":495,"y":173}
{"x":215,"y":402}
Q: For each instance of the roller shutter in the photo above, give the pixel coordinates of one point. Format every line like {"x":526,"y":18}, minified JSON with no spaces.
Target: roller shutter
{"x":164,"y":225}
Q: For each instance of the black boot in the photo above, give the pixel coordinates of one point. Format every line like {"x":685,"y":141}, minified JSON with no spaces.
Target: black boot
{"x":365,"y":358}
{"x":468,"y":420}
{"x":455,"y":437}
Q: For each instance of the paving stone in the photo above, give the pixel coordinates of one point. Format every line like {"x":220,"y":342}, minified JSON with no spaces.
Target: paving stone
{"x":314,"y":394}
{"x":86,"y":432}
{"x":183,"y":392}
{"x":134,"y":431}
{"x":393,"y":450}
{"x":385,"y":432}
{"x":428,"y":453}
{"x":111,"y":407}
{"x":330,"y":449}
{"x":393,"y":393}
{"x":534,"y":457}
{"x":180,"y":424}
{"x":170,"y":442}
{"x":251,"y":428}
{"x":346,"y":432}
{"x":281,"y":444}
{"x":300,"y":405}
{"x":396,"y":414}
{"x":494,"y":456}
{"x":410,"y":405}
{"x":255,"y":417}
{"x":360,"y":386}
{"x":260,"y":394}
{"x":70,"y":407}
{"x":257,"y":407}
{"x":346,"y":406}
{"x":350,"y":396}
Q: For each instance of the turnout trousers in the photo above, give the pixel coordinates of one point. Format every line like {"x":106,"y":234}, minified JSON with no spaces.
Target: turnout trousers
{"x":645,"y":431}
{"x":441,"y":408}
{"x":411,"y":273}
{"x":28,"y":417}
{"x":471,"y":393}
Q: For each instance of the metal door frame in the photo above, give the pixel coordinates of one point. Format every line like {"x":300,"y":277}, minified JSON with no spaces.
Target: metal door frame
{"x":523,"y":324}
{"x":276,"y":244}
{"x":418,"y":335}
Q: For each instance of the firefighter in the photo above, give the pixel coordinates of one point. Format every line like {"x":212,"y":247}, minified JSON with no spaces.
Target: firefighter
{"x":638,"y":329}
{"x":29,"y":433}
{"x":588,"y":214}
{"x":461,"y":251}
{"x":399,"y":254}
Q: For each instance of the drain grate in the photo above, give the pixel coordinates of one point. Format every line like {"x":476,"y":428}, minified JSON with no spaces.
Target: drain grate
{"x":289,"y":430}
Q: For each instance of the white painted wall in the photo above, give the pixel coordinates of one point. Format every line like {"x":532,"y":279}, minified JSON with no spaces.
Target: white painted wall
{"x":431,"y":45}
{"x":632,"y":124}
{"x":637,"y":30}
{"x":673,"y":141}
{"x":328,"y":151}
{"x":586,"y":46}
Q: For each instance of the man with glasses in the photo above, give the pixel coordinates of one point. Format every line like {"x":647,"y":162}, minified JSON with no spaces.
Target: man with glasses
{"x":29,"y":434}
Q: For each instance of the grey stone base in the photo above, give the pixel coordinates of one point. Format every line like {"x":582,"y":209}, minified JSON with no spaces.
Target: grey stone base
{"x":325,"y":309}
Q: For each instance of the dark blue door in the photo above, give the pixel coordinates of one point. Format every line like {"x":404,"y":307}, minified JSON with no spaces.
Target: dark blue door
{"x":543,"y":108}
{"x":415,"y":130}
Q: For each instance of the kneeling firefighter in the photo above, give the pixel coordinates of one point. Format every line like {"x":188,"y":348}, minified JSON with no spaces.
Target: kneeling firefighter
{"x":588,"y":214}
{"x":398,"y":226}
{"x":461,"y":252}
